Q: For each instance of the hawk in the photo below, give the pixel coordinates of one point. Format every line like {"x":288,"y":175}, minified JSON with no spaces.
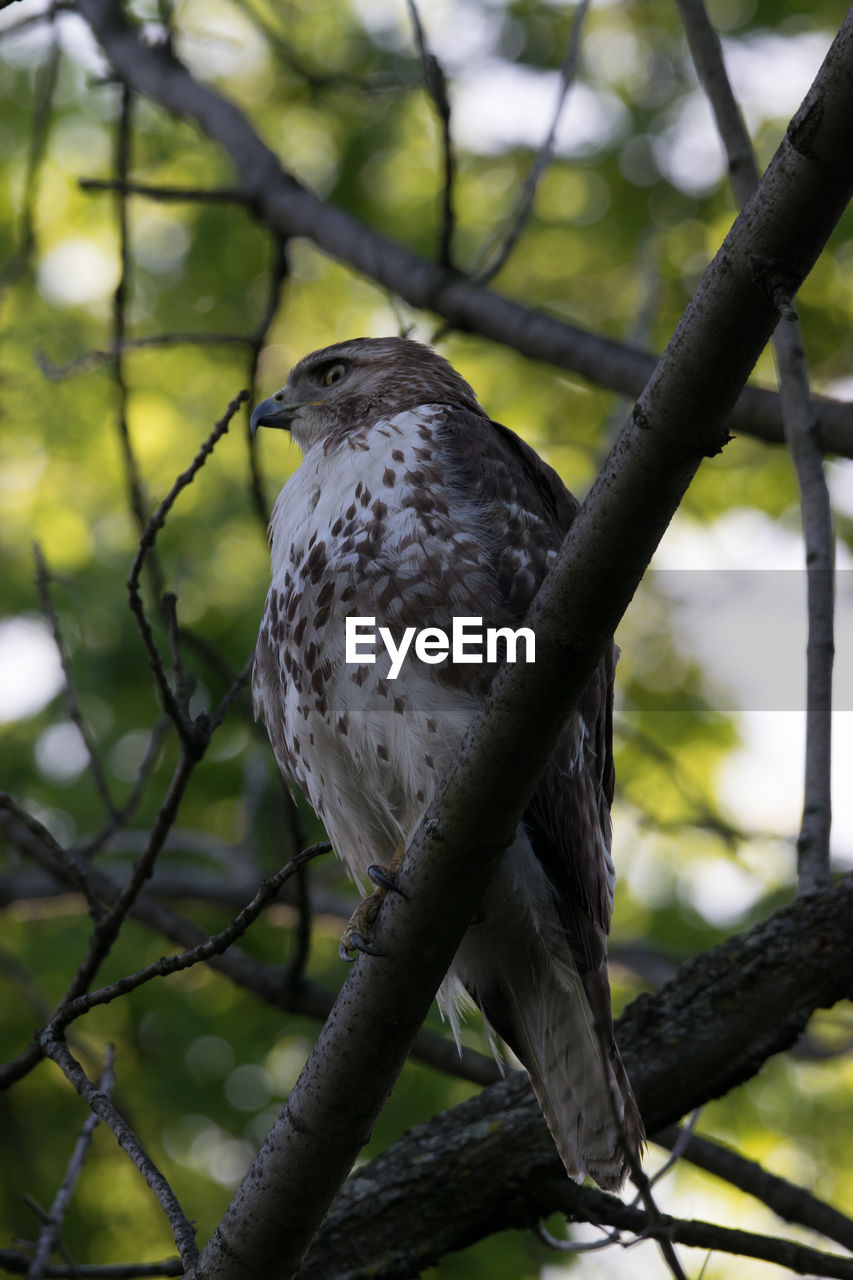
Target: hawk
{"x":412,"y":508}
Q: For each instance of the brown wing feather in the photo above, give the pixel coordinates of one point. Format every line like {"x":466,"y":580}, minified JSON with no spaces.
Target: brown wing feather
{"x":571,"y":806}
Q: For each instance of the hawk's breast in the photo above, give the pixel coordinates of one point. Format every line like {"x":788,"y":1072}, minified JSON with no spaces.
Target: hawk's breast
{"x":367,"y":527}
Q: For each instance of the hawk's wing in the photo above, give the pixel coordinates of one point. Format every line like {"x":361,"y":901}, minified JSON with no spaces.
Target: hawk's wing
{"x":524,"y":512}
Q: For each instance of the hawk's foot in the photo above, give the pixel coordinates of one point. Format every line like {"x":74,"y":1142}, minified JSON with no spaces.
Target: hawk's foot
{"x":358,"y":934}
{"x":385,"y":878}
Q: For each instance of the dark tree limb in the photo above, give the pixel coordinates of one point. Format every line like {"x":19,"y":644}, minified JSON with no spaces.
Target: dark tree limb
{"x":489,"y":1164}
{"x":289,"y":209}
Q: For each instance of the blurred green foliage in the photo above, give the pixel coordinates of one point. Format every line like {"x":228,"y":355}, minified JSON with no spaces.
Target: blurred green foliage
{"x":617,"y":242}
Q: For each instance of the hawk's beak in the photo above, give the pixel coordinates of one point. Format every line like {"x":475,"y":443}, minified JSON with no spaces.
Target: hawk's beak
{"x":277,"y":412}
{"x":273,"y":412}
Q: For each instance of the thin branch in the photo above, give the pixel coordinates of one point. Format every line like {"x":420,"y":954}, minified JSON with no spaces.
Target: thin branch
{"x":75,"y":714}
{"x":290,"y":209}
{"x":436,"y":87}
{"x":788,"y":1201}
{"x":195,"y":735}
{"x":89,"y":847}
{"x":17,"y":1264}
{"x":279,"y":271}
{"x":582,"y":1204}
{"x":263,"y":980}
{"x":493,"y":257}
{"x":33,"y":839}
{"x":183,"y":1232}
{"x":47,"y":80}
{"x":52,"y":1228}
{"x":133,"y":479}
{"x":802,"y":434}
{"x":94,"y":359}
{"x":177,"y":195}
{"x":677,"y":1148}
{"x":215,"y":945}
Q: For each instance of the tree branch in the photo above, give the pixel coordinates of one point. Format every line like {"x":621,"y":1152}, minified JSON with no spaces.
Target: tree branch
{"x":266,"y":981}
{"x":803,"y":438}
{"x":489,"y":1164}
{"x":788,"y":1201}
{"x":183,"y":1232}
{"x":495,"y":254}
{"x":679,"y":419}
{"x":584,"y":1205}
{"x":289,"y":209}
{"x":51,"y":1231}
{"x":17,"y":1263}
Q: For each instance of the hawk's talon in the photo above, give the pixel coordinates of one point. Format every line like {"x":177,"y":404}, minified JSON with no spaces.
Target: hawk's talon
{"x":384,"y":878}
{"x":352,"y":942}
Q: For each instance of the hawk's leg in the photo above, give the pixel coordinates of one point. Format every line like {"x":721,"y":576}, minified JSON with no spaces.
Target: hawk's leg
{"x":357,"y":935}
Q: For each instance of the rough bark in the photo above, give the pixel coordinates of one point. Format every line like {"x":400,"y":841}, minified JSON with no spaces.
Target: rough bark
{"x":489,"y":1163}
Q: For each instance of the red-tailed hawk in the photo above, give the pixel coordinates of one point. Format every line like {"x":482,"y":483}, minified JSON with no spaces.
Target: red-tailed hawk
{"x":412,"y":508}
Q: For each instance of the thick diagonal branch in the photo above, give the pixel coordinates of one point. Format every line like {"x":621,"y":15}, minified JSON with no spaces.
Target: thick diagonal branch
{"x":489,"y":1163}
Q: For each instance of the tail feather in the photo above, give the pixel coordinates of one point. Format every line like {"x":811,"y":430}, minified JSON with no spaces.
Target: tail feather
{"x":583,"y":1090}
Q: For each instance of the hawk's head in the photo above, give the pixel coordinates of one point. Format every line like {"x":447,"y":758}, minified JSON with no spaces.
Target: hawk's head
{"x":359,"y":381}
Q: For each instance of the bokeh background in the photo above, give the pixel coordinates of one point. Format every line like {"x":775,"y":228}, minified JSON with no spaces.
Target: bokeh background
{"x":710,"y":706}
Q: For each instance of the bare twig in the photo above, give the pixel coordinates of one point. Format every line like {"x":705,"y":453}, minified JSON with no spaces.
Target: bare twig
{"x":75,"y":714}
{"x":89,"y":847}
{"x":493,"y":257}
{"x":582,"y":1204}
{"x":436,"y":87}
{"x":789,"y":1202}
{"x":48,"y":76}
{"x":18,"y":1264}
{"x":133,"y":479}
{"x":33,"y":839}
{"x":802,"y":434}
{"x":94,"y":359}
{"x":194,"y":734}
{"x":278,"y":275}
{"x":52,"y":1228}
{"x":262,"y":980}
{"x":177,"y":195}
{"x":678,"y":1147}
{"x":212,"y":946}
{"x":184,"y":1233}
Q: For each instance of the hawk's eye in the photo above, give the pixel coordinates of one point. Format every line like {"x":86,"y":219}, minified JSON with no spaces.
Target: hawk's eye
{"x":335,"y":373}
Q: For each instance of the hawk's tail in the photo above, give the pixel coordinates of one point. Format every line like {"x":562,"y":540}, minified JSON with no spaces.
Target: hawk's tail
{"x":578,"y":1078}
